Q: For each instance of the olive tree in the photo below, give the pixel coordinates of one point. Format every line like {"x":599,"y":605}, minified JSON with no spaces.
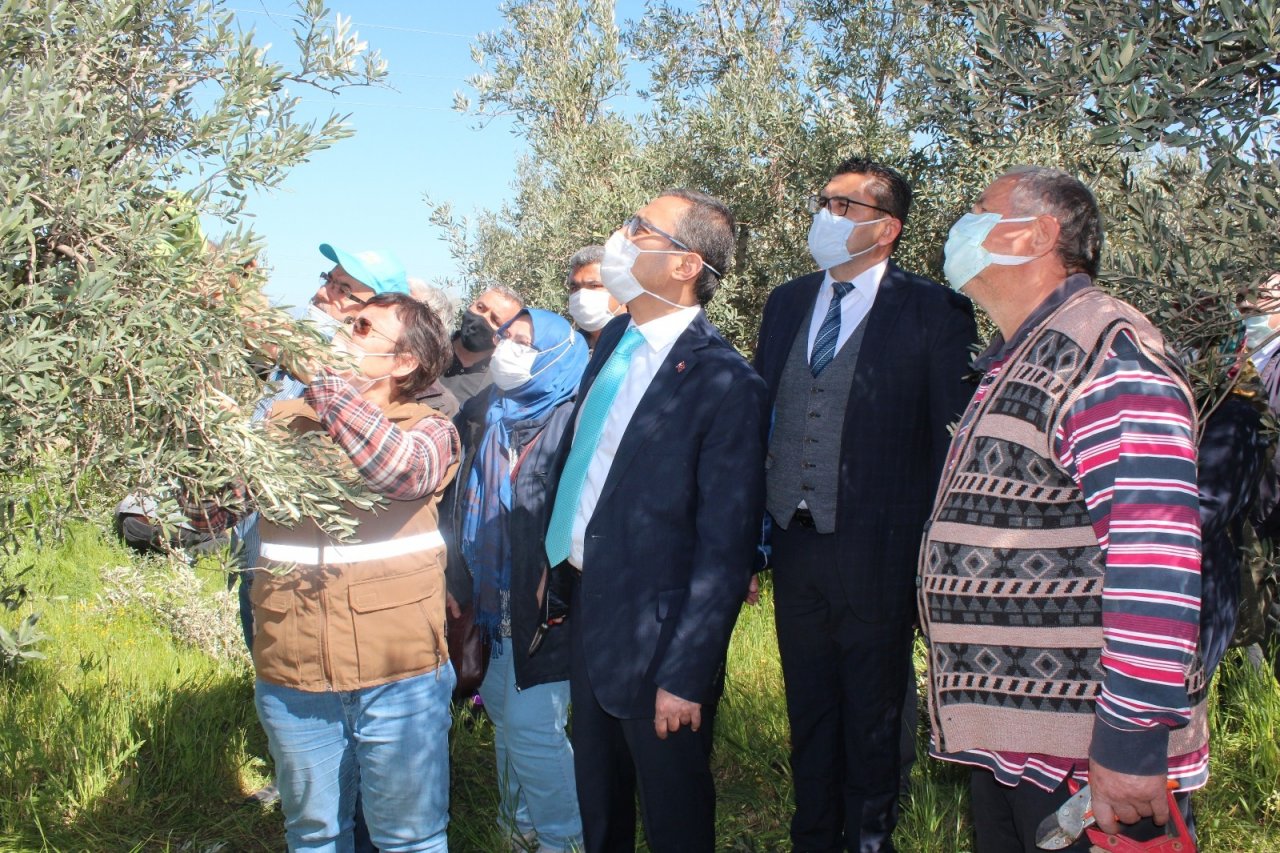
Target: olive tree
{"x":129,"y":340}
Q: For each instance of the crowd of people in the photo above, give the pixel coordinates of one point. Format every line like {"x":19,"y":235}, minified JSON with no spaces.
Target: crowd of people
{"x":601,"y":497}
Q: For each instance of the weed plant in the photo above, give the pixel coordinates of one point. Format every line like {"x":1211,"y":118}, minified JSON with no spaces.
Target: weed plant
{"x":137,"y":731}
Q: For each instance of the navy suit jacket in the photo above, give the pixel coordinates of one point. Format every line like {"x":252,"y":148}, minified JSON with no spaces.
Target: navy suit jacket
{"x":669,"y":546}
{"x":909,"y":386}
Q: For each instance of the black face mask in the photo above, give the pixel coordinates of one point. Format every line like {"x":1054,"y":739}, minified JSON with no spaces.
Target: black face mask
{"x":475,"y":333}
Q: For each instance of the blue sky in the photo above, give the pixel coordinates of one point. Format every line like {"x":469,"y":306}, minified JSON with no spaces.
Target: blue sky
{"x":367,"y":192}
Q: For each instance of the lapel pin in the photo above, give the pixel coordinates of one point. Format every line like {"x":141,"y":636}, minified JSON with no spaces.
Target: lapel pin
{"x":680,"y":367}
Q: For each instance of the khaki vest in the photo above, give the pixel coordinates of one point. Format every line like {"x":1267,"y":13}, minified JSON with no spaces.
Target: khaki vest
{"x":338,"y":616}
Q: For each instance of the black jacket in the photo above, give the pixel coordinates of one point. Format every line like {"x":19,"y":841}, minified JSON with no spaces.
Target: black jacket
{"x":528,"y":525}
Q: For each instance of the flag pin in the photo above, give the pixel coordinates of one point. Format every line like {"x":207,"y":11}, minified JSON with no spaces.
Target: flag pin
{"x":680,"y":367}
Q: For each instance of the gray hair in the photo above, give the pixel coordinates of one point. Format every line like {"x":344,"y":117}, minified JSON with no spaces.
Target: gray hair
{"x":497,"y":287}
{"x":434,"y":298}
{"x":584,"y":257}
{"x":1042,"y":190}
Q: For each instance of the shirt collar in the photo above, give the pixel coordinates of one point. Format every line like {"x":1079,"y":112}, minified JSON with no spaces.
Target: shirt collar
{"x":866,"y":282}
{"x":1000,"y":349}
{"x":660,"y":333}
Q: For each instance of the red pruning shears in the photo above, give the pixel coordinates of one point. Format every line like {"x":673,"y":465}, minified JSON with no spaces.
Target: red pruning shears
{"x":1061,"y":829}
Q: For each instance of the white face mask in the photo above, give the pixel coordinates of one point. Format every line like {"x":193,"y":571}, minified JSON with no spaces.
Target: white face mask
{"x":965,"y":255}
{"x":325,"y":325}
{"x":1258,"y":330}
{"x":511,"y":364}
{"x":615,"y":270}
{"x":357,"y":378}
{"x":829,"y":238}
{"x":589,"y":308}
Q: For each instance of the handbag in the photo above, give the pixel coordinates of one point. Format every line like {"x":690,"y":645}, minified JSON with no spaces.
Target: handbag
{"x":468,"y":650}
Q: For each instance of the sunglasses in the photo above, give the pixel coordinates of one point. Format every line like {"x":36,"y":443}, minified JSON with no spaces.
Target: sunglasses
{"x":362,"y":327}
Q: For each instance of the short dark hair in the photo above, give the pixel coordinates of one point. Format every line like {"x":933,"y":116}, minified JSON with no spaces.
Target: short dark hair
{"x":423,"y":336}
{"x":889,"y":189}
{"x":1042,"y":190}
{"x":584,"y":257}
{"x":706,"y":228}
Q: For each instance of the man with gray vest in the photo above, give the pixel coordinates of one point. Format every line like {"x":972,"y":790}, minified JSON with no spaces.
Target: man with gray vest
{"x":864,"y":363}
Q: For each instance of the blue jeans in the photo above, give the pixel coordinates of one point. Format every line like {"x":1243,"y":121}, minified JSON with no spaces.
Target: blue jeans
{"x":246,"y":544}
{"x":390,"y":742}
{"x":535,"y":760}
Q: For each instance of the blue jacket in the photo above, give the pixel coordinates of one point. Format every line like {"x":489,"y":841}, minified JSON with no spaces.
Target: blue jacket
{"x":670,"y":544}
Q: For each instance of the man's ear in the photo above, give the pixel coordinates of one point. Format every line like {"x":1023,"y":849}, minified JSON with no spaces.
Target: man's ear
{"x":892,"y":227}
{"x":1047,"y":229}
{"x":689,"y":268}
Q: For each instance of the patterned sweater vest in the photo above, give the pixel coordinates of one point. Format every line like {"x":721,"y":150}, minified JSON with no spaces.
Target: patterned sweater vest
{"x":1011,"y":573}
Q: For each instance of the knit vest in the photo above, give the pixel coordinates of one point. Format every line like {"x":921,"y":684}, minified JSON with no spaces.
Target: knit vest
{"x":1011,"y":573}
{"x":340,"y":616}
{"x":808,"y":425}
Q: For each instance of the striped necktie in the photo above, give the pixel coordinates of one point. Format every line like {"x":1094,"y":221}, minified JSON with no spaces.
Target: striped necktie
{"x":824,"y":346}
{"x":591,"y":420}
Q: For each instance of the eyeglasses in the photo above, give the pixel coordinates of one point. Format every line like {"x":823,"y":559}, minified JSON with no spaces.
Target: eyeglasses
{"x":344,"y":289}
{"x":635,"y":225}
{"x":361,"y":327}
{"x":839,"y":205}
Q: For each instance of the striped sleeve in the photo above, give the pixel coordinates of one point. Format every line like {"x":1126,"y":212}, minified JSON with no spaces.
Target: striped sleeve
{"x":396,"y":463}
{"x":1129,"y":443}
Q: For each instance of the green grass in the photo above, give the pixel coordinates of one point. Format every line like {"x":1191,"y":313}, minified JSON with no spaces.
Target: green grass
{"x":137,"y":732}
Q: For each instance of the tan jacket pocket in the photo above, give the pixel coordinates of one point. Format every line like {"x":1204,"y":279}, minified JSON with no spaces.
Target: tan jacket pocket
{"x":394,"y":623}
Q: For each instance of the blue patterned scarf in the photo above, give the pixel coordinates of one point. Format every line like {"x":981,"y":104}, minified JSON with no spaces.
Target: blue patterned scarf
{"x":487,"y":501}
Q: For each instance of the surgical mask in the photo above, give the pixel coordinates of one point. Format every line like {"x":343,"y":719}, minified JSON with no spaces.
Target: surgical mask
{"x":512,"y":363}
{"x":829,"y":238}
{"x":475,"y":333}
{"x":965,"y":255}
{"x":589,"y":308}
{"x":326,"y":325}
{"x":357,"y":378}
{"x":620,"y":256}
{"x":1257,"y":329}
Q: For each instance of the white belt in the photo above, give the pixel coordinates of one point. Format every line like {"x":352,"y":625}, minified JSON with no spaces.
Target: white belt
{"x":304,"y":556}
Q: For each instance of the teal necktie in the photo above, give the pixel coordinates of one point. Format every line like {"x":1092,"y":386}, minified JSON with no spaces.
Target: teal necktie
{"x":595,"y":411}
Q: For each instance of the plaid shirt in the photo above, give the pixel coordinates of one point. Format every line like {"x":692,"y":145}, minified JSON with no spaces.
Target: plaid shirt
{"x":399,"y":464}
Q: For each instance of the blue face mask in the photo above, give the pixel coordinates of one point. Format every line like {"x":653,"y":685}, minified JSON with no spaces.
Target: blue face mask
{"x":965,"y":255}
{"x":1257,"y":329}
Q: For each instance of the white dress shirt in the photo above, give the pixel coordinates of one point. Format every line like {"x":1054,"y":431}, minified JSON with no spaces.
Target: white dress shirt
{"x":853,"y":309}
{"x":659,"y":336}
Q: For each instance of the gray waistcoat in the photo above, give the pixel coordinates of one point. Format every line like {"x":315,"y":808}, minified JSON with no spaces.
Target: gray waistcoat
{"x":808,"y":422}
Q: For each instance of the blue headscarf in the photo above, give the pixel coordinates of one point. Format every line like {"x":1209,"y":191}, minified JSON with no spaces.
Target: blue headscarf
{"x":556,"y":372}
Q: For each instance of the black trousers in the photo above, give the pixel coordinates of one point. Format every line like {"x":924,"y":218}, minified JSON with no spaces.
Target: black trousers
{"x":844,"y":681}
{"x":1005,"y":819}
{"x":615,"y":758}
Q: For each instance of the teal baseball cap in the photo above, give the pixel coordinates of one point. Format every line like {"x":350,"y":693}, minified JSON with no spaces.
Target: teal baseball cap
{"x":377,"y":268}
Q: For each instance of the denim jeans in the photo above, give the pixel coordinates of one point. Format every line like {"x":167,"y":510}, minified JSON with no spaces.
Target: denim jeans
{"x":390,"y":741}
{"x":535,"y":760}
{"x":246,"y":543}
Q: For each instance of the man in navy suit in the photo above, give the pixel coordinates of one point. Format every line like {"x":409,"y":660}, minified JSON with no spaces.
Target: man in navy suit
{"x":864,"y":363}
{"x":657,"y":511}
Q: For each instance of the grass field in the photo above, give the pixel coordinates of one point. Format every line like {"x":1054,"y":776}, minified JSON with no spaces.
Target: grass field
{"x":137,"y":731}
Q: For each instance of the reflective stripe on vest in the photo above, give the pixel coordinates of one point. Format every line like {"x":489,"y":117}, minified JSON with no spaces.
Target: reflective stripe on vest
{"x":305,"y":556}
